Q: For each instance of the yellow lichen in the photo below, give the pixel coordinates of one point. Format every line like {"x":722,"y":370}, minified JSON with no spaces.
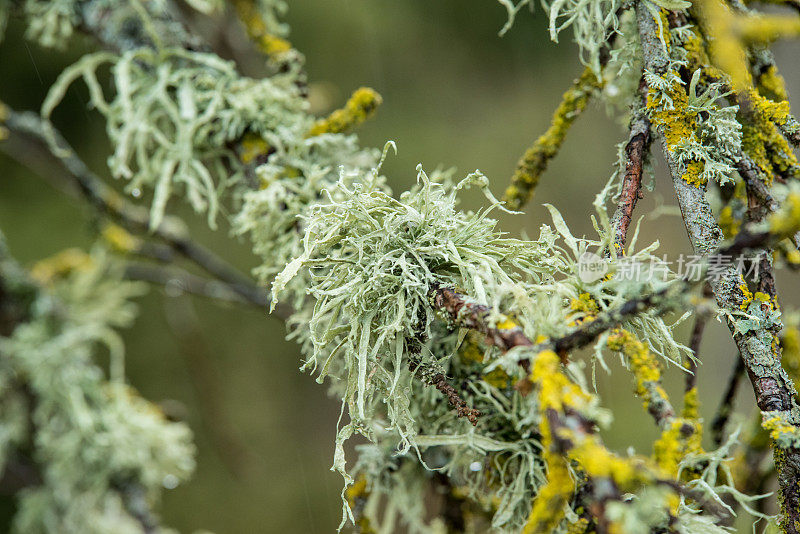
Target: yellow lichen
{"x":120,"y":239}
{"x":579,"y":526}
{"x":548,"y":506}
{"x":786,"y":221}
{"x":506,"y":323}
{"x":585,"y":304}
{"x":361,"y":106}
{"x":771,"y":84}
{"x":470,"y":351}
{"x":691,"y":405}
{"x":3,"y":118}
{"x":583,"y":309}
{"x":762,"y":139}
{"x":747,"y":296}
{"x":358,"y":492}
{"x":251,"y":147}
{"x":726,"y":48}
{"x":554,"y":387}
{"x":557,"y":392}
{"x":677,"y":124}
{"x":498,"y":378}
{"x":693,"y":172}
{"x":61,"y":264}
{"x":778,"y":428}
{"x":728,"y":223}
{"x":534,"y":162}
{"x":645,"y":367}
{"x":790,"y":353}
{"x":682,"y":437}
{"x":271,"y":45}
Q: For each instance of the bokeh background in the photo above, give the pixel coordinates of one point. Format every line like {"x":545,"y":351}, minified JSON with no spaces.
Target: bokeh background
{"x":455,"y":95}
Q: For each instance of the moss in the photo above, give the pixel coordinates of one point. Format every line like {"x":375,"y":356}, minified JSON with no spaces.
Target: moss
{"x":360,"y":107}
{"x":534,"y":162}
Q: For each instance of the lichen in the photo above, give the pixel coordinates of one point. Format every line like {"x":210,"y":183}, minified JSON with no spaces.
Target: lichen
{"x":534,"y":162}
{"x":173,"y":116}
{"x":91,"y":436}
{"x":360,"y":106}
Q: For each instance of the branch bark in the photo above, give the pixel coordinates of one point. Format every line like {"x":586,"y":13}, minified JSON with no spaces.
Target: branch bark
{"x":773,"y":389}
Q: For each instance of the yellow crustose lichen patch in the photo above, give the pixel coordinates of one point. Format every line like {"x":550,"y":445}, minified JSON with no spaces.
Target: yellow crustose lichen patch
{"x":269,"y":44}
{"x":677,"y":124}
{"x":120,"y":239}
{"x":548,"y":506}
{"x":361,"y":106}
{"x":61,"y":264}
{"x":645,"y":367}
{"x":786,"y":222}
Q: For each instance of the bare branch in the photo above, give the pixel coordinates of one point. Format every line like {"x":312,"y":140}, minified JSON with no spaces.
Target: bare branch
{"x":635,"y":151}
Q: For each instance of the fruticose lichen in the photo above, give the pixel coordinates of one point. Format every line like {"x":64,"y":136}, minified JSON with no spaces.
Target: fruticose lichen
{"x":97,"y":442}
{"x":174,"y":114}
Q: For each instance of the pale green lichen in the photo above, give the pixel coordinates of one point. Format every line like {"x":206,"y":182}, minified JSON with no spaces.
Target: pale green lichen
{"x":173,"y":116}
{"x":295,"y":177}
{"x":93,"y":438}
{"x":51,"y":22}
{"x":703,"y":137}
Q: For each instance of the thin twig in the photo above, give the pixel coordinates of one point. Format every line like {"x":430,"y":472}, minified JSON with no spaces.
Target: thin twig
{"x":635,"y":151}
{"x":534,"y":162}
{"x":726,"y":404}
{"x":694,"y":342}
{"x":108,"y":202}
{"x":468,"y":313}
{"x":180,"y":281}
{"x":434,"y":377}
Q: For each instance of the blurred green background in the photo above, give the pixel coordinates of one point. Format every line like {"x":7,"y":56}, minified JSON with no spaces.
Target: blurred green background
{"x":455,"y":94}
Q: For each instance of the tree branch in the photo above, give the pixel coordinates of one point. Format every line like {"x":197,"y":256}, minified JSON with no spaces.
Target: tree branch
{"x":773,"y":389}
{"x":534,"y":162}
{"x":635,"y":151}
{"x":108,"y":202}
